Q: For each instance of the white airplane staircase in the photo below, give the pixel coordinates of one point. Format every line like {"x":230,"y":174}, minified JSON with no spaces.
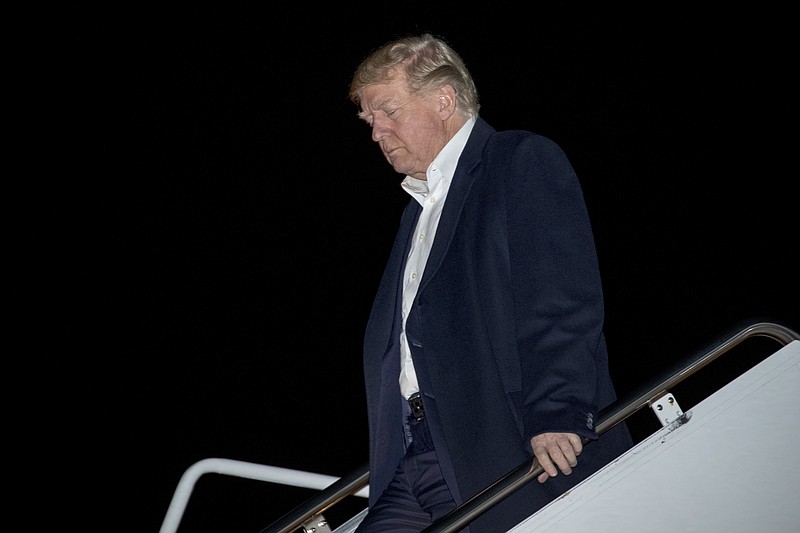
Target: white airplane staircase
{"x":728,"y":463}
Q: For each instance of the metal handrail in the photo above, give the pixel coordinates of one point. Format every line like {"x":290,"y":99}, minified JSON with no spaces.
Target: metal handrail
{"x":243,"y":469}
{"x":317,"y":504}
{"x":528,"y":470}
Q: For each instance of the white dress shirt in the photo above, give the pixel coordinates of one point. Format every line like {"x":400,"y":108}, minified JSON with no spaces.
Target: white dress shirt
{"x":431,"y":195}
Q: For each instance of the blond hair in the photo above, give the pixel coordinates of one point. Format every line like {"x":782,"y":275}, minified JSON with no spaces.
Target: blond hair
{"x":428,"y":63}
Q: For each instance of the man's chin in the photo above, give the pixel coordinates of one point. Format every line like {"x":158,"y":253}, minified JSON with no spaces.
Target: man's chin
{"x":399,"y":169}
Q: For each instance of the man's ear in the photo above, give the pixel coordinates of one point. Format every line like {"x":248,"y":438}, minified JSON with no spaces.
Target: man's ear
{"x":446,"y":101}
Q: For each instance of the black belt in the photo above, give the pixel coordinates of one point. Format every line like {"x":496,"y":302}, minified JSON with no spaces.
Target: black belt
{"x":417,"y":409}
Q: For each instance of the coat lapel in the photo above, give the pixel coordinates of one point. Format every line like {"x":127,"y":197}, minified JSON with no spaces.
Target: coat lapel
{"x":465,"y":175}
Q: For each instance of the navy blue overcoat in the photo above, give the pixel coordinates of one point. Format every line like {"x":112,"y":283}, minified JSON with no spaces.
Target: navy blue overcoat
{"x":506,"y":329}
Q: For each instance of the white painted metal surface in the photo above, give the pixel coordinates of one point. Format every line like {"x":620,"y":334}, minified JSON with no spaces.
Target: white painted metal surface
{"x":733,"y":467}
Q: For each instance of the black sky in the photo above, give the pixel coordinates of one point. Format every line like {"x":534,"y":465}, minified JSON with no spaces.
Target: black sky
{"x":217,"y":219}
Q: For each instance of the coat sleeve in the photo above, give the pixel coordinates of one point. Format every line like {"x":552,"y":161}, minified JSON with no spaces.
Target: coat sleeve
{"x":556,"y":288}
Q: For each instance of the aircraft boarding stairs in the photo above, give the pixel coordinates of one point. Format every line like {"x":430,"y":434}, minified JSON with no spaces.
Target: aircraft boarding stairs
{"x":727,"y":464}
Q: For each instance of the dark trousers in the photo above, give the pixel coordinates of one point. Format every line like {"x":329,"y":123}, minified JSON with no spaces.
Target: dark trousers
{"x":417,"y":495}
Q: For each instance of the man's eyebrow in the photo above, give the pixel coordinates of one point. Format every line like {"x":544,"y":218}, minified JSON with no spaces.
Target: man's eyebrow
{"x":382,"y":104}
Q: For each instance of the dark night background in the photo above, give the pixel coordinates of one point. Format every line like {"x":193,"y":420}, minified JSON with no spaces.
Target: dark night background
{"x":217,"y":219}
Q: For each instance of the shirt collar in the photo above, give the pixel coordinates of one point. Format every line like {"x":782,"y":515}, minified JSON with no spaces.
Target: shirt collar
{"x":443,"y":166}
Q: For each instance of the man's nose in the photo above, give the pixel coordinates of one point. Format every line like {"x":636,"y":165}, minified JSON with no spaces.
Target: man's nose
{"x":379,"y":130}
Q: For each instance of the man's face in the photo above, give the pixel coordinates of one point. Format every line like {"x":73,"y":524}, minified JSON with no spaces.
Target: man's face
{"x":409,"y":129}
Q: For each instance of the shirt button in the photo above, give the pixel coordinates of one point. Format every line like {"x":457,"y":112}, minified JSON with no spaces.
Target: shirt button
{"x":421,"y":236}
{"x":413,"y":275}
